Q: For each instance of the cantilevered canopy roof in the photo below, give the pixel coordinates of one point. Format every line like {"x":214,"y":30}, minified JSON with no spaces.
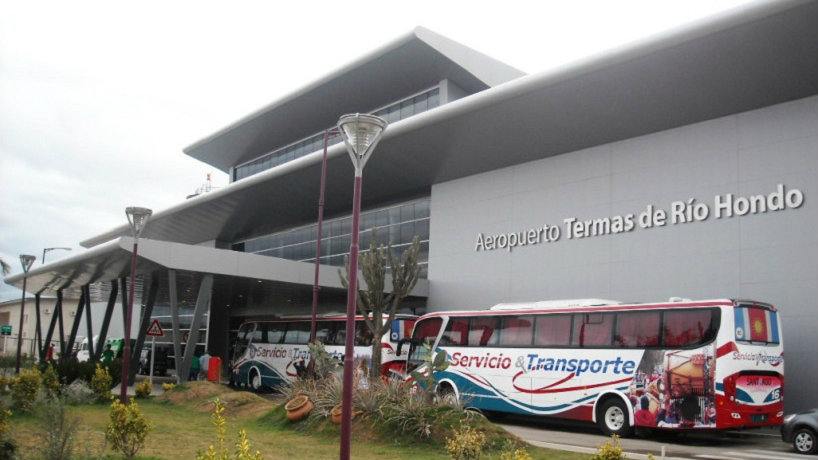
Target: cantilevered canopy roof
{"x":416,"y":61}
{"x":112,"y":260}
{"x":754,"y":57}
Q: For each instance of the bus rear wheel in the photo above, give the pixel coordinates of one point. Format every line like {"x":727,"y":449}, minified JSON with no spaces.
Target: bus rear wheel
{"x":612,"y":418}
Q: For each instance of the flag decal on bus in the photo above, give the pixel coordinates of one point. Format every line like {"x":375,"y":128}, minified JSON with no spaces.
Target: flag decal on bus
{"x":756,"y":324}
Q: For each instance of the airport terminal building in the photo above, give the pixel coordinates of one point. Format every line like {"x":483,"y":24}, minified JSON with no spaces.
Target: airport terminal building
{"x":685,"y":165}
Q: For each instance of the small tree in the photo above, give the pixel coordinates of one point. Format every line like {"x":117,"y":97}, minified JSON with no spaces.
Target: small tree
{"x":373,"y":302}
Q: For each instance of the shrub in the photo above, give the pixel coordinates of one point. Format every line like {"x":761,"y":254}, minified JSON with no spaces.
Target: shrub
{"x":101,"y":384}
{"x":78,"y":393}
{"x":70,"y":370}
{"x":57,"y":429}
{"x":515,"y":454}
{"x":168,"y":386}
{"x":5,"y":383}
{"x":323,"y":363}
{"x":51,"y":383}
{"x":24,"y":389}
{"x":7,"y":445}
{"x":219,"y":451}
{"x":143,"y":389}
{"x":411,"y":414}
{"x":610,"y":450}
{"x":127,"y":428}
{"x":465,"y":443}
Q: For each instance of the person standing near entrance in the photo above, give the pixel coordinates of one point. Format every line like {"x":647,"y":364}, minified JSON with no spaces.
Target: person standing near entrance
{"x":204,"y":363}
{"x":195,"y":365}
{"x":107,"y":355}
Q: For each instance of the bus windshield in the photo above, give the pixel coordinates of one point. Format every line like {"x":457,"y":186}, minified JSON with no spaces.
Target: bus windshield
{"x":423,"y":338}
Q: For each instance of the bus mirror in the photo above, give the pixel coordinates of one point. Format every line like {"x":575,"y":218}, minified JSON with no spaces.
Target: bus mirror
{"x":400,"y":345}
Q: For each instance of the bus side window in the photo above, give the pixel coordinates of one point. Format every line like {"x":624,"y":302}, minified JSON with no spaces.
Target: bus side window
{"x":275,"y":332}
{"x":457,"y":333}
{"x":363,"y":336}
{"x":325,"y":331}
{"x":592,"y":329}
{"x":685,"y":328}
{"x":297,"y":332}
{"x":638,"y":329}
{"x":517,"y":331}
{"x":553,"y":331}
{"x":483,"y":331}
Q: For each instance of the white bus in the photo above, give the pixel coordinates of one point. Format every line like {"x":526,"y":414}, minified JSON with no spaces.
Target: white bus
{"x":267,"y":353}
{"x":713,"y":364}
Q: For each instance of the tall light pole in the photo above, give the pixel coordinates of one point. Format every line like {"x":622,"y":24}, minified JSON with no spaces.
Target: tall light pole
{"x":45,"y":250}
{"x":361,"y":134}
{"x":26,"y":261}
{"x":138,"y":218}
{"x":318,"y":236}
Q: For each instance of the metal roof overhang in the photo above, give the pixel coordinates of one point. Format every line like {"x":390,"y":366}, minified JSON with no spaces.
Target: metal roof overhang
{"x":360,"y":86}
{"x":112,"y":260}
{"x":763,"y":55}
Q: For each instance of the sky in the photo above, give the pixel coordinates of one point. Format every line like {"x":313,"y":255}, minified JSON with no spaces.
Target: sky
{"x":98,"y":98}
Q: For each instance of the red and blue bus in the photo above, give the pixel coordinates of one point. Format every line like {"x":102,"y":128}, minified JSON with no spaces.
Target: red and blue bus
{"x":681,"y":364}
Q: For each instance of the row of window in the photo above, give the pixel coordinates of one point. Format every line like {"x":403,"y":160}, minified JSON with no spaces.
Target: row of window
{"x":396,"y":225}
{"x":298,"y":332}
{"x":391,"y":113}
{"x":645,"y":329}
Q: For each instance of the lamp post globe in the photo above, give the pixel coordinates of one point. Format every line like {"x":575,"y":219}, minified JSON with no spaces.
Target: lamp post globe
{"x":361,"y":133}
{"x":26,"y":260}
{"x":138,"y":220}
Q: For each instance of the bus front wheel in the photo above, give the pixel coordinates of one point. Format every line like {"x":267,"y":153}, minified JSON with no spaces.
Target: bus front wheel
{"x":254,"y":380}
{"x":612,"y":418}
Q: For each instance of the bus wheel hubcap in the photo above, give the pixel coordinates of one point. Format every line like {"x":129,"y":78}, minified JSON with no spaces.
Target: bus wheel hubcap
{"x":256,"y":381}
{"x":803,"y":441}
{"x":614,"y":418}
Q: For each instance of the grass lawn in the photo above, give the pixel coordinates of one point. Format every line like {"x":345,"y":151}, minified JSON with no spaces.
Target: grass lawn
{"x":182,"y":429}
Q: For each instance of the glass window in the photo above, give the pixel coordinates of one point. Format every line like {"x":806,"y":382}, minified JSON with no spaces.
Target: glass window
{"x":592,"y":329}
{"x":756,"y":324}
{"x":517,"y":331}
{"x":457,"y":333}
{"x":363,"y":336}
{"x":275,"y":332}
{"x":325,"y":331}
{"x":340,"y":333}
{"x":297,"y":332}
{"x":424,"y":333}
{"x":553,"y":331}
{"x":482,"y":331}
{"x":639,"y":329}
{"x":686,"y":328}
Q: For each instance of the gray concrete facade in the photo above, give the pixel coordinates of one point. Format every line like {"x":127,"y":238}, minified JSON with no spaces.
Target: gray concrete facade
{"x":765,"y":256}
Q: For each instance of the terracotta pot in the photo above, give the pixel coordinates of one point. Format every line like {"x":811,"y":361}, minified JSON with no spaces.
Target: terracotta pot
{"x":298,"y":408}
{"x":335,"y":414}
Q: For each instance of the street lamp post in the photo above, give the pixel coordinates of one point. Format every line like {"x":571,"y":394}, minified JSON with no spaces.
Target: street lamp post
{"x":319,"y":234}
{"x":26,"y":261}
{"x":138,"y":218}
{"x":45,"y":250}
{"x":361,"y":134}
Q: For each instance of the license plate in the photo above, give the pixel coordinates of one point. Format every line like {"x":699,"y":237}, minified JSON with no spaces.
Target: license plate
{"x":759,"y":418}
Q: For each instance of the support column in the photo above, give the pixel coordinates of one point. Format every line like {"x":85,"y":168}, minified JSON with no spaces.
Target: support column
{"x":52,"y":324}
{"x":38,"y":329}
{"x":123,"y":284}
{"x":60,"y":321}
{"x":106,"y":321}
{"x":174,"y":317}
{"x":75,"y":326}
{"x":88,"y":325}
{"x":202,"y":305}
{"x":144,"y":323}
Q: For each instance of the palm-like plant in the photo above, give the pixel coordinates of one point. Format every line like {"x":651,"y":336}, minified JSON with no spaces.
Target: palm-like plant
{"x":4,"y":266}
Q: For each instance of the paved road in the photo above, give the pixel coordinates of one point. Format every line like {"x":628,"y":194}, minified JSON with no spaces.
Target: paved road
{"x":747,"y":445}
